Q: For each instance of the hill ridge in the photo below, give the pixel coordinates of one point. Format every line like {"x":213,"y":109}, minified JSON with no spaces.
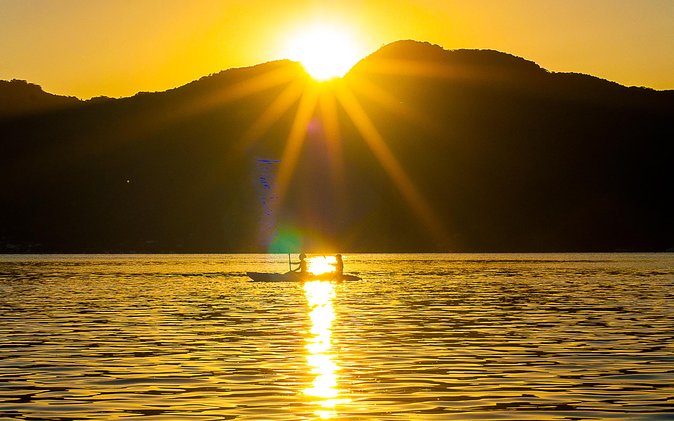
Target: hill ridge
{"x":554,"y":162}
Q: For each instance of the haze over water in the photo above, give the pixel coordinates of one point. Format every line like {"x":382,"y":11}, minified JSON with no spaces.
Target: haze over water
{"x":422,"y":337}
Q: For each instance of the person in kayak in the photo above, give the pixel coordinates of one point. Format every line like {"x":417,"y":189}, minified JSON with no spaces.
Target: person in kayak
{"x":301,"y":265}
{"x":339,"y":265}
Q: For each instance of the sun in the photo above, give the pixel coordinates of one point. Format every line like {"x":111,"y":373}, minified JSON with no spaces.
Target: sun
{"x":325,"y":52}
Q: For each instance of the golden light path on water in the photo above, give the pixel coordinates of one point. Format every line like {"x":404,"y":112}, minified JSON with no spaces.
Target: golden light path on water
{"x":319,"y":265}
{"x":324,"y":391}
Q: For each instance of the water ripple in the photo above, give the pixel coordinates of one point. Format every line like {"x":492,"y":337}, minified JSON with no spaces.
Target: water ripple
{"x":426,"y":337}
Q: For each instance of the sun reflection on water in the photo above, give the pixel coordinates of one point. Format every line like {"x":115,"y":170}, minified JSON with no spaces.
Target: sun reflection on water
{"x":319,"y":265}
{"x":320,"y":357}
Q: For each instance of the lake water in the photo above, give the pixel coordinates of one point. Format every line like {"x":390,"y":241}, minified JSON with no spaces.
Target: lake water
{"x":422,"y":337}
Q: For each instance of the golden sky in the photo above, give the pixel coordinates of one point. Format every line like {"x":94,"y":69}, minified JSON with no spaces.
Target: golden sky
{"x":119,"y":47}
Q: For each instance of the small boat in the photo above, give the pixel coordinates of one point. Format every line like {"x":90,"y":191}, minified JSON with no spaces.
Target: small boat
{"x":299,"y":277}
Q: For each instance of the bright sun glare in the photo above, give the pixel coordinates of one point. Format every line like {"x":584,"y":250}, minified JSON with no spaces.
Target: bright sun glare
{"x":321,"y":264}
{"x":325,"y":52}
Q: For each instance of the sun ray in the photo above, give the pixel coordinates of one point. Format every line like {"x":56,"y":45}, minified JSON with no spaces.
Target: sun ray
{"x":294,"y":143}
{"x":366,"y":87}
{"x":272,"y":114}
{"x":390,"y":164}
{"x":278,"y":107}
{"x":168,"y":115}
{"x":328,"y":111}
{"x":427,"y":69}
{"x":236,"y":91}
{"x":135,"y":126}
{"x":411,"y":68}
{"x":246,"y":87}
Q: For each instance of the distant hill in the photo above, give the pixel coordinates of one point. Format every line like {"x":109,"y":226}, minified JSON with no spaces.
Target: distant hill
{"x":19,"y":97}
{"x":508,"y":156}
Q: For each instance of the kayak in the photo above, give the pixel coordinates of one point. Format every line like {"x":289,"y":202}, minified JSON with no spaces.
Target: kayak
{"x":298,"y":277}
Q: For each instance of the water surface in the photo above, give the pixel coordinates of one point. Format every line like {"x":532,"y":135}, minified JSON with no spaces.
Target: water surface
{"x":422,"y":337}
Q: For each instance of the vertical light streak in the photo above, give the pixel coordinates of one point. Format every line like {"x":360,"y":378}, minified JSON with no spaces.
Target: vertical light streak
{"x":324,"y":389}
{"x":328,"y":111}
{"x":296,"y":138}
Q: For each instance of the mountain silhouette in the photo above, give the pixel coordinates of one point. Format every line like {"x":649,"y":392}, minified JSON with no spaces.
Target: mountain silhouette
{"x":504,"y":154}
{"x":19,"y":97}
